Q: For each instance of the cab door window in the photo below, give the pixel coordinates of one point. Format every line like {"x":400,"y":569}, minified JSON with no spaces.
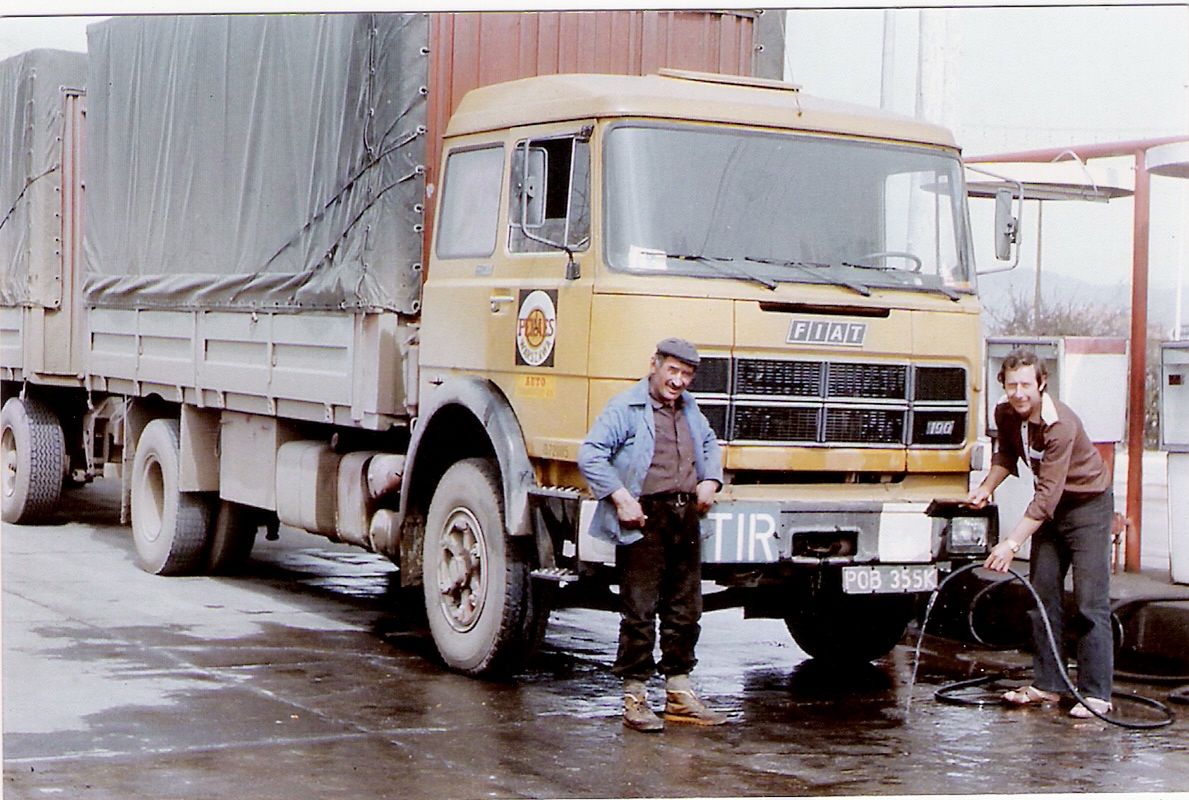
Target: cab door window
{"x":550,"y":195}
{"x":471,"y":203}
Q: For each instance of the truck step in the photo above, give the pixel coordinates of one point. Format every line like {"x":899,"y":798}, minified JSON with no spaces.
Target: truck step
{"x":558,"y":574}
{"x":563,"y":492}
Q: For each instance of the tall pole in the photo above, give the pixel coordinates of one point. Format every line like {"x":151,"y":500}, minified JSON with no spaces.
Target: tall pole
{"x":887,"y":84}
{"x":1139,"y":365}
{"x":1036,"y":298}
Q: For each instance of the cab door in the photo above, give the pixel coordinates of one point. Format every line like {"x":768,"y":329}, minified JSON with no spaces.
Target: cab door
{"x":541,"y":294}
{"x":517,"y":309}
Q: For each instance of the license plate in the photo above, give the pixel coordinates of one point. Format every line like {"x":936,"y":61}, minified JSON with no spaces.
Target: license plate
{"x":889,"y":579}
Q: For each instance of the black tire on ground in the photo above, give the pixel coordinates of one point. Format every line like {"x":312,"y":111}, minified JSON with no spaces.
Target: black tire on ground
{"x":171,"y":528}
{"x":479,"y":601}
{"x":833,"y":626}
{"x":33,"y":460}
{"x":232,"y":537}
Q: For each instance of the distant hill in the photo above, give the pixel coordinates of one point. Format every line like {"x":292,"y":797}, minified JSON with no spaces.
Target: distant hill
{"x":997,"y":289}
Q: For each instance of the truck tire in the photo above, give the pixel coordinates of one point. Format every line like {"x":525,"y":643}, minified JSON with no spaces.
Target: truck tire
{"x":478,"y":592}
{"x":34,"y":458}
{"x":833,"y":626}
{"x":171,"y":528}
{"x":232,"y":537}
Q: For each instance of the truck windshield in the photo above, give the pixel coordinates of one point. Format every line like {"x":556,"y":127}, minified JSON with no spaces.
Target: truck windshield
{"x":748,"y":205}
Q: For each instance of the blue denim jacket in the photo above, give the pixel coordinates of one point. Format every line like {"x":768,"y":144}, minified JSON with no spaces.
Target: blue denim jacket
{"x":618,"y":452}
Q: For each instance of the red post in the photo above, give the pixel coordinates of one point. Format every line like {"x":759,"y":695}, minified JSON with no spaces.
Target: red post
{"x":1138,"y":368}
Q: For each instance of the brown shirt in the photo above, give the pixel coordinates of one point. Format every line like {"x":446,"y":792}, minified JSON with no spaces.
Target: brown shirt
{"x":672,"y":468}
{"x":1063,"y":460}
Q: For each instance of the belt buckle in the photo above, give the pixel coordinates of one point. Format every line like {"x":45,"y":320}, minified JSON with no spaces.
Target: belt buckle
{"x":680,"y":499}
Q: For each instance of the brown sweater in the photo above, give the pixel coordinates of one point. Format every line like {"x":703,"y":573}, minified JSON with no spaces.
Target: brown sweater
{"x":1063,"y":459}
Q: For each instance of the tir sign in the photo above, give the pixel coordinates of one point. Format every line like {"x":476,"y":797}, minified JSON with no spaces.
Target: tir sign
{"x":820,"y":332}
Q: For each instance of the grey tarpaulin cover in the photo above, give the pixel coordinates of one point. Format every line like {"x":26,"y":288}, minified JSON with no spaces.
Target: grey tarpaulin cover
{"x":31,"y":115}
{"x":265,"y":162}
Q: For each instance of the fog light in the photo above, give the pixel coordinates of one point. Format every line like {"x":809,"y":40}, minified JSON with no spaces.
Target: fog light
{"x":968,"y":534}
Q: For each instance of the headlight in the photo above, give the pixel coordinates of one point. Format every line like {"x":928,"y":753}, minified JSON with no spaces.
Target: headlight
{"x":969,"y":534}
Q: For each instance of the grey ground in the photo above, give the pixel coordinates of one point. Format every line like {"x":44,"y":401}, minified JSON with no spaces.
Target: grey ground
{"x":302,"y":678}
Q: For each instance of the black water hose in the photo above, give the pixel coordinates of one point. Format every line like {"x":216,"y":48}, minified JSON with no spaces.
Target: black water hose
{"x":946,"y":693}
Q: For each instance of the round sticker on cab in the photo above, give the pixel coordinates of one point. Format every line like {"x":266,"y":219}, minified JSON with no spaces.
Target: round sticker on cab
{"x":536,"y":328}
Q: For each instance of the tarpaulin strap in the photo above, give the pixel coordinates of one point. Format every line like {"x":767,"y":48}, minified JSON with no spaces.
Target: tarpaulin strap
{"x":342,"y":192}
{"x":28,"y":183}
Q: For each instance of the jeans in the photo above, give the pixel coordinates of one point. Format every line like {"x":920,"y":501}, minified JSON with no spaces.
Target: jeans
{"x":660,"y":575}
{"x":1079,"y":535}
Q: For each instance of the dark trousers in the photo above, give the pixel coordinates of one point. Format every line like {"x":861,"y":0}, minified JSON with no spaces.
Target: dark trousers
{"x":660,"y":575}
{"x":1079,"y":535}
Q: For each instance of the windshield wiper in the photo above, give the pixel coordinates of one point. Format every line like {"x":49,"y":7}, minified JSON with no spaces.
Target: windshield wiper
{"x":815,"y":269}
{"x":866,"y":266}
{"x":950,"y":293}
{"x":718,"y":262}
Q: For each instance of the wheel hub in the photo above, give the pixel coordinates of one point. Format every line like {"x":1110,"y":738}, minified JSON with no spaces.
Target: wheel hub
{"x":461,"y":577}
{"x":9,"y":455}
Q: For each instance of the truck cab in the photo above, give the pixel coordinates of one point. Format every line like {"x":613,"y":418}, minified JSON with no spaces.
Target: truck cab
{"x":818,"y":255}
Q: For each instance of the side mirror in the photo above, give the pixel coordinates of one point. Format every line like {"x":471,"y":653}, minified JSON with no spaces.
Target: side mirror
{"x":533,"y":187}
{"x":1007,"y":226}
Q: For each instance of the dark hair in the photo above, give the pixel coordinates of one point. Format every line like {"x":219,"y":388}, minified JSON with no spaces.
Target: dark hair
{"x":1023,"y":357}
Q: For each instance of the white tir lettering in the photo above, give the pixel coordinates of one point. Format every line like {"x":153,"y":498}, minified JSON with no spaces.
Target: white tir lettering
{"x":761,"y":529}
{"x":718,"y":518}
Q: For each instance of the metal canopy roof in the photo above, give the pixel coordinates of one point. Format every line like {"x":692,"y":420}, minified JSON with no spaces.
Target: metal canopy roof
{"x":1036,"y":190}
{"x":1171,"y":160}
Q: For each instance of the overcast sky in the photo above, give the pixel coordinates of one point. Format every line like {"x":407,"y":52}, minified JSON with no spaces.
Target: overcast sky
{"x":1010,"y":79}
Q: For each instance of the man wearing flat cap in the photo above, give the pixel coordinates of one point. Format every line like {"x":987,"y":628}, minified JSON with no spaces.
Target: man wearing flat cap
{"x":653,"y":462}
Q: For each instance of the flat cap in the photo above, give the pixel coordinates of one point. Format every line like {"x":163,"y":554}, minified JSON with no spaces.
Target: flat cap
{"x":679,"y":349}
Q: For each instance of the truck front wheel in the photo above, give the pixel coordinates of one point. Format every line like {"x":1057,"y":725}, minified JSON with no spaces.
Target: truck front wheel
{"x":170,"y":527}
{"x":33,"y":455}
{"x":830,"y":625}
{"x":478,"y":592}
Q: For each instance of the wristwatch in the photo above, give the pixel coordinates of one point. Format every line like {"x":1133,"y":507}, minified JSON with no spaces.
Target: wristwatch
{"x":1013,"y":544}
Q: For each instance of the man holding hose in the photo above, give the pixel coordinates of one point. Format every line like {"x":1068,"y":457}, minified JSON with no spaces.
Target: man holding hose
{"x":1069,"y":521}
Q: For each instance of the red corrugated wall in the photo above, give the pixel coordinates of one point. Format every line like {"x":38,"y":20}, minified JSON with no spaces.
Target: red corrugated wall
{"x":469,"y":49}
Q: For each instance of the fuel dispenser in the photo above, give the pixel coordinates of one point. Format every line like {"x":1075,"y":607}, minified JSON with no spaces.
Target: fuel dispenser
{"x":1174,"y":439}
{"x":1087,"y":373}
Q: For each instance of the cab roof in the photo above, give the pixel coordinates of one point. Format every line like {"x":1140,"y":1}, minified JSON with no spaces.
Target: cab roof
{"x":677,"y":95}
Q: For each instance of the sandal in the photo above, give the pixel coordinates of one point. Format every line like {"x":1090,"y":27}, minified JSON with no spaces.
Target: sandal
{"x":1029,"y":695}
{"x":1081,"y":712}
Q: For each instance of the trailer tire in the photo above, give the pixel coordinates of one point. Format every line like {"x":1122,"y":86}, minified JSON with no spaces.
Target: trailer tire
{"x":836,"y":627}
{"x":479,"y":601}
{"x":233,"y":536}
{"x":170,"y":528}
{"x":34,"y":459}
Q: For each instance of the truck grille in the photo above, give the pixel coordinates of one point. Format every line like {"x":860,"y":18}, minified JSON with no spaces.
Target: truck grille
{"x":837,"y":403}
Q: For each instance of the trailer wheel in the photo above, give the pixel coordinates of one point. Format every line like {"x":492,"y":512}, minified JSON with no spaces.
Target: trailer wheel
{"x":478,"y":592}
{"x":831,"y":625}
{"x":232,"y":537}
{"x":34,"y":457}
{"x":170,"y":528}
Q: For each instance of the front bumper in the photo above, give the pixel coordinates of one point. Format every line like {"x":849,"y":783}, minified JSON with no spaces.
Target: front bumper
{"x":841,"y":533}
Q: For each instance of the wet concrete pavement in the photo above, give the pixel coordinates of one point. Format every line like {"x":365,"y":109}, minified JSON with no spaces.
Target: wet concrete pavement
{"x":301,"y":678}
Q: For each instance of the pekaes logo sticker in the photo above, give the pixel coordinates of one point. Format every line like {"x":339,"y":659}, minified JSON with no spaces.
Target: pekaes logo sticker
{"x":536,"y":327}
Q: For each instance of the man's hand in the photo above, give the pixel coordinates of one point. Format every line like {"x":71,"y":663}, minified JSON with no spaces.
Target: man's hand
{"x":978,"y":496}
{"x":706,"y":492}
{"x":1000,"y":558}
{"x":628,"y":508}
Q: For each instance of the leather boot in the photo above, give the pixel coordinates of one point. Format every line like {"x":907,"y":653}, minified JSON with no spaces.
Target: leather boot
{"x":683,"y":705}
{"x":639,"y":716}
